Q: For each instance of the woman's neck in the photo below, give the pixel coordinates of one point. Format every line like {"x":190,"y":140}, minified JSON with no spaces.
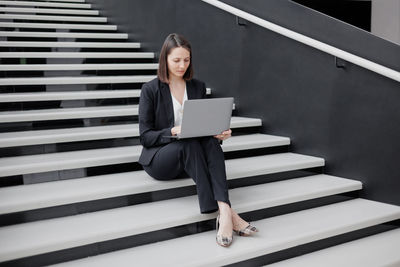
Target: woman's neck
{"x":173,"y":80}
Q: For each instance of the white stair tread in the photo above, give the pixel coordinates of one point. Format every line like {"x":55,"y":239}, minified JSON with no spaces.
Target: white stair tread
{"x":41,"y":195}
{"x":77,"y":80}
{"x":49,"y":11}
{"x":276,"y":233}
{"x":238,"y":122}
{"x":27,"y":239}
{"x":68,"y":44}
{"x":68,"y":113}
{"x":253,"y":141}
{"x":72,"y":1}
{"x":58,"y":26}
{"x":76,"y":55}
{"x":86,"y":35}
{"x":53,"y":18}
{"x":37,"y":137}
{"x":49,"y":67}
{"x":46,"y":4}
{"x":106,"y":156}
{"x":70,"y":95}
{"x":379,"y":250}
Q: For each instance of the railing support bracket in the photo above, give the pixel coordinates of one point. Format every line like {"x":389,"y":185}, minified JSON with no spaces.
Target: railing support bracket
{"x":340,"y":63}
{"x":240,"y":21}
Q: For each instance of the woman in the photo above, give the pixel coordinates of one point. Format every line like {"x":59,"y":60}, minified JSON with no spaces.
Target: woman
{"x":163,"y":158}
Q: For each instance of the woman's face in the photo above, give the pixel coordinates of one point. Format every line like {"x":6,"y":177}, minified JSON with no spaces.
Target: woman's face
{"x":178,"y":61}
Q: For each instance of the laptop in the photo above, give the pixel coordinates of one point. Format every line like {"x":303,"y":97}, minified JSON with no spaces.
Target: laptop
{"x":205,"y":117}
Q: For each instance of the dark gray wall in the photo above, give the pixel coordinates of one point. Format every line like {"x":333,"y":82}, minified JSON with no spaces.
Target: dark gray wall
{"x":348,"y":116}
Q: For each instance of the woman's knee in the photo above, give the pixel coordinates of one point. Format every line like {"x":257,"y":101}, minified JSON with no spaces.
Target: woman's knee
{"x":211,"y":145}
{"x":158,"y":174}
{"x":191,"y":144}
{"x":212,"y":141}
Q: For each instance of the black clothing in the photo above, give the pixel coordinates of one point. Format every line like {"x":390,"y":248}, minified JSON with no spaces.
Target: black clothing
{"x":165,"y":158}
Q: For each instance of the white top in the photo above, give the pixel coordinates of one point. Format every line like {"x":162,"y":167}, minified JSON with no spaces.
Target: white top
{"x":178,"y":109}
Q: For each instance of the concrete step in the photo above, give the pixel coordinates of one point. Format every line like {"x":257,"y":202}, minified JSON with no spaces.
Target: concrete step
{"x":380,"y":250}
{"x":53,"y":18}
{"x":28,"y":239}
{"x":42,"y":195}
{"x":44,"y":4}
{"x":19,"y":165}
{"x":76,"y":55}
{"x":49,"y":11}
{"x":71,"y":1}
{"x":68,"y":113}
{"x":76,"y":134}
{"x":276,"y":234}
{"x":49,"y":67}
{"x":69,"y":44}
{"x":59,"y":26}
{"x":68,"y":95}
{"x":85,"y":35}
{"x":77,"y":80}
{"x":71,"y":95}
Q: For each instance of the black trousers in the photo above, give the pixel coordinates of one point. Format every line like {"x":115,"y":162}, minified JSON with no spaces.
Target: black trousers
{"x":203,"y":160}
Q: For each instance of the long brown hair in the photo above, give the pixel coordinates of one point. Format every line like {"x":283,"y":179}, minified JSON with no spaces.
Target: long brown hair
{"x":172,"y":41}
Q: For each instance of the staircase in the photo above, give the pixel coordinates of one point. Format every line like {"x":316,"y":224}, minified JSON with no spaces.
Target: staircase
{"x":73,"y":193}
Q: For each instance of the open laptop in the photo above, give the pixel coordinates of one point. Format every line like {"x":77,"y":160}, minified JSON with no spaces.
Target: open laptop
{"x":205,"y":117}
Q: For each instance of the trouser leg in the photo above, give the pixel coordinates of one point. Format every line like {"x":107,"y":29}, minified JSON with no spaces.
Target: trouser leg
{"x":193,"y":157}
{"x":216,"y":166}
{"x":195,"y":164}
{"x":166,"y":164}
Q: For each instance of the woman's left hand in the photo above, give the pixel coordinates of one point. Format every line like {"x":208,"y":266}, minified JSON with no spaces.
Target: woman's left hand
{"x":224,"y":135}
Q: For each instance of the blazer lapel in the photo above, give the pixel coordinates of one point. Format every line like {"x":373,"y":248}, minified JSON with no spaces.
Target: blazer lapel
{"x":166,"y":99}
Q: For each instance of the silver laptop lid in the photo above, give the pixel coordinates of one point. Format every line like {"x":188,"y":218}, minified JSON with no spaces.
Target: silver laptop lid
{"x":206,"y":117}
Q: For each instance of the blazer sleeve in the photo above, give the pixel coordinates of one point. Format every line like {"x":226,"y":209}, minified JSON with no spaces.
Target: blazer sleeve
{"x":149,"y":136}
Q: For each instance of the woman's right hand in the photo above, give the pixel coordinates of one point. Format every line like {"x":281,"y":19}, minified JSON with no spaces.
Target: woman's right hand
{"x":176,"y":130}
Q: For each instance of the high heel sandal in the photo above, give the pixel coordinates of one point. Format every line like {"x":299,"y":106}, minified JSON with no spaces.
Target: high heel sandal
{"x":224,"y":241}
{"x":247,"y":231}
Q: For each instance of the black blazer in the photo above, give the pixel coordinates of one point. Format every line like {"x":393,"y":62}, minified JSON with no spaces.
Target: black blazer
{"x":156,"y":115}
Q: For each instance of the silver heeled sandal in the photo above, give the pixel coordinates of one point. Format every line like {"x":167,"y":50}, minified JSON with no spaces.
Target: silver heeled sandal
{"x":247,"y":231}
{"x":224,"y":241}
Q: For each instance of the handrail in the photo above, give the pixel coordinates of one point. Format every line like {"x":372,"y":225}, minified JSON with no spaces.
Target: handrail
{"x":367,"y":64}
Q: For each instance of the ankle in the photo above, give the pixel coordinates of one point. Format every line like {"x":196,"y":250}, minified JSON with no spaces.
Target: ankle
{"x":224,"y":215}
{"x":225,"y":212}
{"x":237,"y":221}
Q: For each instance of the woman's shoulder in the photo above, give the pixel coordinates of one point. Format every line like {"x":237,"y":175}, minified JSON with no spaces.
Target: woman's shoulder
{"x":151,"y":85}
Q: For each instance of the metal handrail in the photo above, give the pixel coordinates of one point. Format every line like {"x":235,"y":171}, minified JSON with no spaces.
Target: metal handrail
{"x":365,"y":63}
